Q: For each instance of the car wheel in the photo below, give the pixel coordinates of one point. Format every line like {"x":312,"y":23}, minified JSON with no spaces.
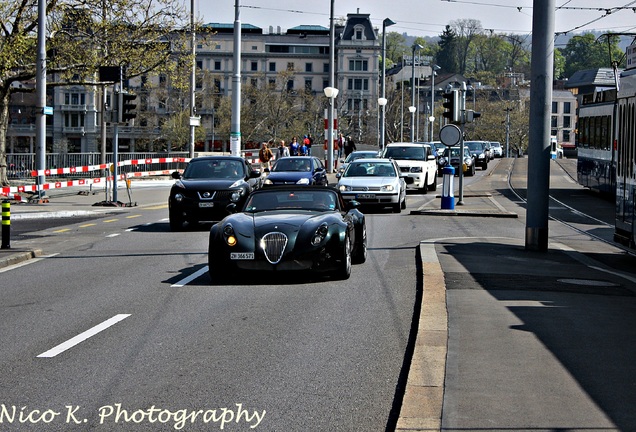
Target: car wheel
{"x":425,"y":188}
{"x":176,"y":221}
{"x":484,"y":166}
{"x":433,"y":185}
{"x":344,"y":269}
{"x":219,"y":272}
{"x":397,"y":208}
{"x":361,"y":250}
{"x":471,"y":171}
{"x":403,"y":206}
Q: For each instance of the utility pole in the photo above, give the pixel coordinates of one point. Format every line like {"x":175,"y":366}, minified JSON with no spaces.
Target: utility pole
{"x":508,"y":109}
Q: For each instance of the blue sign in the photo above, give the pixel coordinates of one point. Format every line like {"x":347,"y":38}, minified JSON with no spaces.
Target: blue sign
{"x":47,"y":110}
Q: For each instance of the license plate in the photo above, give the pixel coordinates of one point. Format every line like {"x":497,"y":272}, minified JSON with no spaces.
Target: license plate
{"x":242,"y":255}
{"x":206,"y":204}
{"x":366,"y":196}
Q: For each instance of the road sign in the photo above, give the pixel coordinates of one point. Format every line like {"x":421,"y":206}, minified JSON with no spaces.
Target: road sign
{"x":47,"y":110}
{"x":450,"y":135}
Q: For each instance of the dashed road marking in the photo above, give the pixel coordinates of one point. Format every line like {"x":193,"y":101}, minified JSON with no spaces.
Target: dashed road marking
{"x":190,"y":278}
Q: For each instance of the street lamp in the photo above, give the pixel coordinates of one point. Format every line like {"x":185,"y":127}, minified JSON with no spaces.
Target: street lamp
{"x":415,"y":47}
{"x":434,"y":68}
{"x":387,"y":22}
{"x":382,"y":102}
{"x":331,"y":93}
{"x":412,"y":110}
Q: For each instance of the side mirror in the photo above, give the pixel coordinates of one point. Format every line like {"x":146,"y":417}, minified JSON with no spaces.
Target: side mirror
{"x":353,"y":204}
{"x":255,"y":174}
{"x":338,"y":175}
{"x":231,"y":208}
{"x":176,"y":175}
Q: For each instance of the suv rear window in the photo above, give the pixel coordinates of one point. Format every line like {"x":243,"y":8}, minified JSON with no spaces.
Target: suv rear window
{"x":408,"y":153}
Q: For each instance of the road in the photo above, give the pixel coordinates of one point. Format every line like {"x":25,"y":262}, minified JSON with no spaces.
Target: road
{"x":309,"y":355}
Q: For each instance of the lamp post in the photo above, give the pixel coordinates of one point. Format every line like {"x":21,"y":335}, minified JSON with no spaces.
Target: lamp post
{"x":415,"y":47}
{"x":434,"y":68}
{"x":331,"y":93}
{"x":382,"y":102}
{"x":385,"y":23}
{"x":412,"y":110}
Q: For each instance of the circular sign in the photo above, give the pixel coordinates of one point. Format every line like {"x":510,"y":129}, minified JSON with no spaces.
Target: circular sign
{"x":450,"y":135}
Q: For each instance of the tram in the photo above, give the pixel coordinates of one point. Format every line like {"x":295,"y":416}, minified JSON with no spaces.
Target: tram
{"x":596,"y":157}
{"x":625,"y":143}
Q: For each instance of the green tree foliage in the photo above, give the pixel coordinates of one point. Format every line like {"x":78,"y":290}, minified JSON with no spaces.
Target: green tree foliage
{"x":395,"y":47}
{"x":83,"y":35}
{"x":447,"y":52}
{"x":586,"y":52}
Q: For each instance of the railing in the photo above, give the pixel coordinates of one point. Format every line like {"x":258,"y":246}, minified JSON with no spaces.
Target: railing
{"x":20,"y":165}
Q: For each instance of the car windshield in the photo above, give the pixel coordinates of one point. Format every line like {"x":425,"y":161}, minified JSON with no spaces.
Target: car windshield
{"x":370,"y":169}
{"x":452,"y":151}
{"x":214,"y":169}
{"x":268,"y":200}
{"x":293,"y":164}
{"x":410,"y":153}
{"x":354,"y":156}
{"x":474,"y":146}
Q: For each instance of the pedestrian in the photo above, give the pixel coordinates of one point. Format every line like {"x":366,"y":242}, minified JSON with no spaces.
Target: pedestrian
{"x":307,"y":145}
{"x":310,"y":142}
{"x":265,"y":155}
{"x":341,"y":142}
{"x":283,"y":150}
{"x":294,"y":147}
{"x":302,"y":149}
{"x":349,"y":146}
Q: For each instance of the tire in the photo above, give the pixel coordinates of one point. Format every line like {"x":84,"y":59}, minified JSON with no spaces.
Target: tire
{"x":397,"y":208}
{"x":432,"y":186}
{"x":471,"y":171}
{"x":424,"y":189}
{"x":176,"y":221}
{"x":343,"y":271}
{"x":484,"y":166}
{"x":361,"y":250}
{"x":219,"y":271}
{"x":403,"y":205}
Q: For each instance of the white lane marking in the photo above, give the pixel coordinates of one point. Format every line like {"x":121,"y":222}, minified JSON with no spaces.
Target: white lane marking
{"x":112,"y":235}
{"x":83,"y":336}
{"x":190,"y":278}
{"x":25,"y":263}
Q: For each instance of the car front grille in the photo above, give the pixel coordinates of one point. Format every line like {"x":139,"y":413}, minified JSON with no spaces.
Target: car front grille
{"x":366,"y":189}
{"x":273,"y":245}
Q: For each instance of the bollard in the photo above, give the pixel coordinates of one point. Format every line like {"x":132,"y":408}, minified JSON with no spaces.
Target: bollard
{"x":6,"y":224}
{"x":448,"y":196}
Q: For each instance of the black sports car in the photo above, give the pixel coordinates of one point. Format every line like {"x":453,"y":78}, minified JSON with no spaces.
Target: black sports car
{"x":289,"y":228}
{"x":207,"y":186}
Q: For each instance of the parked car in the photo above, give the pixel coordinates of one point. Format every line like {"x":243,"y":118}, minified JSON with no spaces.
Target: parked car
{"x":417,"y":162}
{"x":452,"y":154}
{"x":359,"y":154}
{"x":478,"y":151}
{"x":207,"y":185}
{"x":289,"y":229}
{"x":301,"y":170}
{"x":374,"y":182}
{"x":496,"y":149}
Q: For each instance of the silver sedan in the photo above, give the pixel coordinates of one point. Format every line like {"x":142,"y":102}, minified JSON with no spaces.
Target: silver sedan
{"x":374,"y":182}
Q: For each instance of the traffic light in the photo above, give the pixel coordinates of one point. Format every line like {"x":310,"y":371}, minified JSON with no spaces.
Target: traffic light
{"x":127,"y":106}
{"x":451,"y":106}
{"x":472,"y":115}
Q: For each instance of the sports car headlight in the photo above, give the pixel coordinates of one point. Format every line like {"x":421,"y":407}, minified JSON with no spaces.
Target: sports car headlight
{"x":416,"y":169}
{"x":303,"y":181}
{"x":387,"y":188}
{"x":228,"y":234}
{"x":345,"y":188}
{"x":268,"y":182}
{"x":319,"y":235}
{"x":237,"y":183}
{"x":442,"y":161}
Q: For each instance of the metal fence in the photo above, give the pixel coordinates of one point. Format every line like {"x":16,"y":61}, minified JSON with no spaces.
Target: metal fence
{"x":20,"y":165}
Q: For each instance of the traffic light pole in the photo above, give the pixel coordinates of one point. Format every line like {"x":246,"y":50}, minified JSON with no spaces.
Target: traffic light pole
{"x":462,"y":119}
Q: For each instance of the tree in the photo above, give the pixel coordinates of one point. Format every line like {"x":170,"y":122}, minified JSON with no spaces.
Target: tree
{"x":466,"y":30}
{"x":447,"y":52}
{"x":84,"y":35}
{"x":395,"y":47}
{"x":586,"y":52}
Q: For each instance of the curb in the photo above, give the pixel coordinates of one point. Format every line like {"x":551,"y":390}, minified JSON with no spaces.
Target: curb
{"x":424,"y":395}
{"x":18,"y":257}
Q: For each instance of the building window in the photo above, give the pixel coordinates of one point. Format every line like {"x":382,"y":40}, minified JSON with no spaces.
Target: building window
{"x":254,"y":82}
{"x":567,"y":122}
{"x":254,"y":66}
{"x":567,"y":106}
{"x":290,"y":84}
{"x":358,"y":84}
{"x":272,"y":66}
{"x":308,"y":84}
{"x":309,"y":67}
{"x":555,"y":107}
{"x":358,"y":65}
{"x":199,"y":65}
{"x":217,"y":65}
{"x":358,"y":32}
{"x":290,"y":66}
{"x":272,"y":83}
{"x":325,"y":68}
{"x":566,"y":136}
{"x":325,"y":83}
{"x":254,"y":48}
{"x":553,"y":122}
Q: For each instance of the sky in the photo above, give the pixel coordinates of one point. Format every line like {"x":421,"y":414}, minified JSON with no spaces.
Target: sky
{"x":425,"y":17}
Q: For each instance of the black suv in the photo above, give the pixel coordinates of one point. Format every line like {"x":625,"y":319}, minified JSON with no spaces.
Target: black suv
{"x":479,"y":152}
{"x":207,"y":186}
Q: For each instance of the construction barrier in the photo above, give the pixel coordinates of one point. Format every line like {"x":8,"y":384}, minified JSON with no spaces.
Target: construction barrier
{"x":6,"y":224}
